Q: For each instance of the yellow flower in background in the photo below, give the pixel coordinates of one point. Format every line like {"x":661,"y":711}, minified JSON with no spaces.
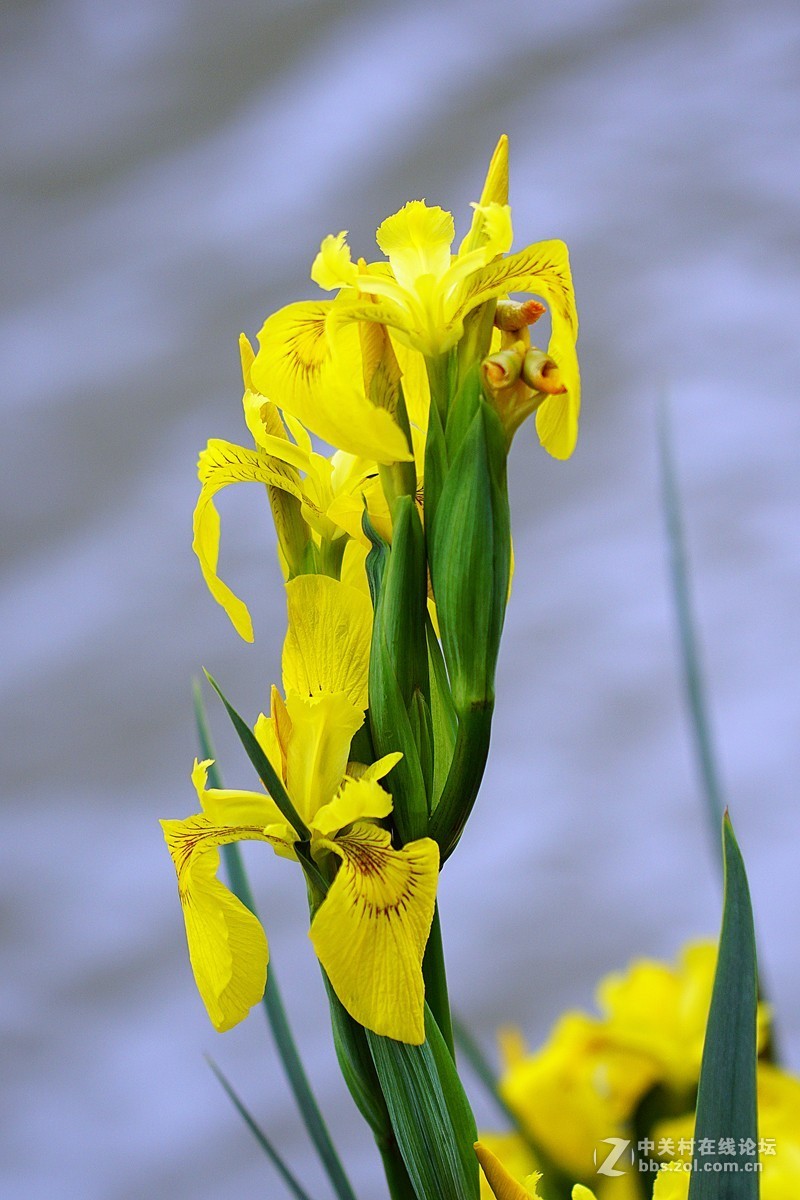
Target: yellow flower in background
{"x":371,"y":928}
{"x":779,"y":1140}
{"x":575,"y":1091}
{"x":659,"y":1011}
{"x":584,"y":1084}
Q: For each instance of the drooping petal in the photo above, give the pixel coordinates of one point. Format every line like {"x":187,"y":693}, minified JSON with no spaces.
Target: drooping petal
{"x":327,"y":644}
{"x":220,"y":464}
{"x":319,"y":746}
{"x":417,"y":242}
{"x":371,"y":930}
{"x":297,"y":368}
{"x":542,"y":269}
{"x":227,"y":946}
{"x":356,"y":800}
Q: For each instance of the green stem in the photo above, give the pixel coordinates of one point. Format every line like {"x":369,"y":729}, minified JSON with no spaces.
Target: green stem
{"x":433,"y":969}
{"x":440,"y":383}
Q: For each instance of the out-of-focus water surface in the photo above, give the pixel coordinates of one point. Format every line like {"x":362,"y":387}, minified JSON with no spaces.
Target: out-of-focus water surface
{"x":169,"y":169}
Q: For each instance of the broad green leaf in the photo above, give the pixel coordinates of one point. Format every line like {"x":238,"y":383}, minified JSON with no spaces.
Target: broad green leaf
{"x":726,"y":1099}
{"x":430,"y":1114}
{"x":292,"y":1184}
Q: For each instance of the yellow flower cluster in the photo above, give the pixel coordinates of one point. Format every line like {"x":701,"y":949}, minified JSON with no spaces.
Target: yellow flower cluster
{"x":631,"y":1073}
{"x":357,"y":371}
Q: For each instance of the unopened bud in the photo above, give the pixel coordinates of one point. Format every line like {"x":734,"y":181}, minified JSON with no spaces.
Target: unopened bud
{"x":541,"y":373}
{"x":503,"y":369}
{"x":511,"y":316}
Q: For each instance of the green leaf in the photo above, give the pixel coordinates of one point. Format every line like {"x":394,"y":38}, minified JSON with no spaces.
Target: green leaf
{"x":687,"y":636}
{"x":726,"y":1099}
{"x":273,"y":1004}
{"x":430,"y":1114}
{"x":266,"y":1145}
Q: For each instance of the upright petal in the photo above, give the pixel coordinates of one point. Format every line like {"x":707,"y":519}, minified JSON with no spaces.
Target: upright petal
{"x":227,"y":946}
{"x":371,"y":929}
{"x":356,"y":800}
{"x":327,"y":644}
{"x":220,"y":464}
{"x":297,"y":368}
{"x":542,"y":269}
{"x":334,"y":267}
{"x":417,"y":242}
{"x":318,"y":748}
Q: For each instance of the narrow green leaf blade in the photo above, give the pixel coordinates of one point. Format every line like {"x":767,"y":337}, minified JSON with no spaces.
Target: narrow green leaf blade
{"x":292,"y":1184}
{"x":726,"y":1100}
{"x":430,"y":1114}
{"x":694,"y":688}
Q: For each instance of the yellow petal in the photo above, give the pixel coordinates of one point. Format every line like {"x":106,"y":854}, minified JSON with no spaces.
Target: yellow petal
{"x":542,"y":269}
{"x":328,"y":640}
{"x":297,"y":368}
{"x":417,"y":242}
{"x":381,"y":768}
{"x":334,"y":267}
{"x":227,"y":946}
{"x":220,"y":464}
{"x":371,"y":930}
{"x":318,"y":749}
{"x":416,"y":386}
{"x":504,"y":1186}
{"x":356,"y":800}
{"x":225,"y":806}
{"x":495,"y":188}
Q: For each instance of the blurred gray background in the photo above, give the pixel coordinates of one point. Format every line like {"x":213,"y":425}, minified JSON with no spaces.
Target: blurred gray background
{"x":169,"y":170}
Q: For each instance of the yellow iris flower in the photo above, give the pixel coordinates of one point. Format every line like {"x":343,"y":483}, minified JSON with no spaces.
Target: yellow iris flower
{"x":331,"y":491}
{"x":309,"y":356}
{"x":371,"y":928}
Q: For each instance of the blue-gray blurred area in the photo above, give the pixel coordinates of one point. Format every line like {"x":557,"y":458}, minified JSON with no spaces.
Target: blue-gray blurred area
{"x":169,"y":169}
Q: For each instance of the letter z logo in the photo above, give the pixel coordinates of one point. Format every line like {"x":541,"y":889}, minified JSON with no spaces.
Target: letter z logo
{"x":608,"y":1165}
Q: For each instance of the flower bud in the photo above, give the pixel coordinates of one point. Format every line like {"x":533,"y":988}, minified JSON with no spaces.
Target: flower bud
{"x":541,"y":373}
{"x":503,"y":369}
{"x":512,"y":316}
